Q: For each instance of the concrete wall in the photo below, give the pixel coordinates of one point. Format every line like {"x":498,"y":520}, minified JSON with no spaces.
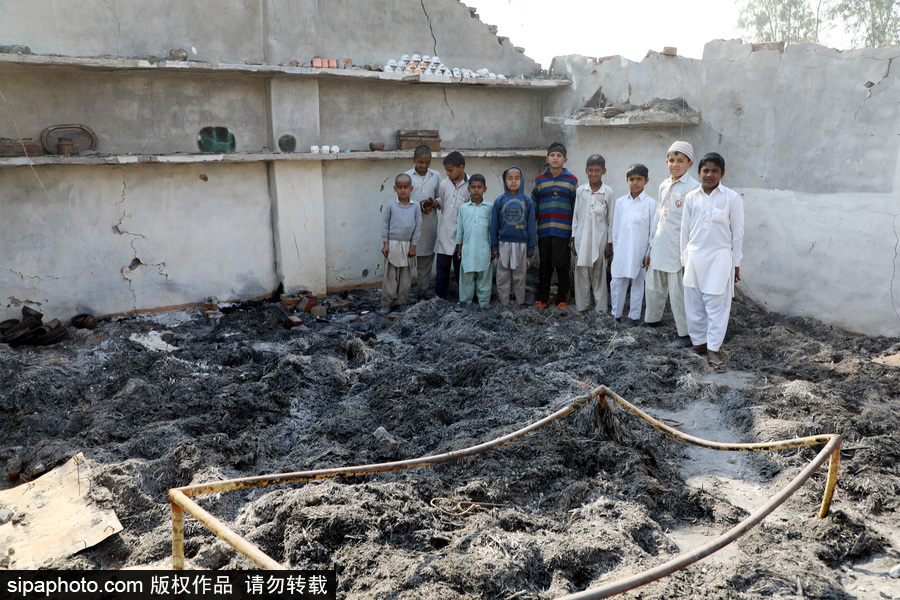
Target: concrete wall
{"x":110,"y":239}
{"x":136,"y":112}
{"x":809,"y":135}
{"x":811,"y":148}
{"x":261,"y":31}
{"x":227,"y":32}
{"x":355,"y":196}
{"x":355,"y":114}
{"x":374,"y":32}
{"x":133,"y":237}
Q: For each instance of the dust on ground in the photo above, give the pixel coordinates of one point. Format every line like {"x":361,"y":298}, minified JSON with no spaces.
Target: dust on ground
{"x":250,"y":395}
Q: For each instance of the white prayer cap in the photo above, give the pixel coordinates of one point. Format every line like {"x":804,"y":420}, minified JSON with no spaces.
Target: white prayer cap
{"x":683,"y":147}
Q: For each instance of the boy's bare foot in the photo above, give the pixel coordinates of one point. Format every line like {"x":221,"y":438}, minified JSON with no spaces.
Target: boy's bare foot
{"x":518,"y":307}
{"x":715,"y":361}
{"x":699,"y":349}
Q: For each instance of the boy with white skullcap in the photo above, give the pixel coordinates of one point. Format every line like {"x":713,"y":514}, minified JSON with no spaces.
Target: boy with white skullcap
{"x":663,"y":260}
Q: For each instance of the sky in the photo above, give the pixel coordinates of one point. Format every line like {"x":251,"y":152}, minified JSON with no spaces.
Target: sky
{"x":548,"y":28}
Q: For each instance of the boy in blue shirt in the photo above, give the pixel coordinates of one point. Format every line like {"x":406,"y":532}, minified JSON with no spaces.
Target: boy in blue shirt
{"x":554,"y":203}
{"x":473,"y":246}
{"x":513,"y":237}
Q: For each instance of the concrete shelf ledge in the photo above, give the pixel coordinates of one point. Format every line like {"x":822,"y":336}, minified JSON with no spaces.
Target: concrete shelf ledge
{"x":145,"y":64}
{"x":246,"y":157}
{"x":634,"y":121}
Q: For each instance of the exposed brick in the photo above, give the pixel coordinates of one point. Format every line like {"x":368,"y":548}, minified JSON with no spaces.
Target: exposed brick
{"x":777,"y":46}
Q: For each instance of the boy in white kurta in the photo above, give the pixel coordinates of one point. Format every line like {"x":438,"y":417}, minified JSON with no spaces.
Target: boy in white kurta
{"x":454,"y":193}
{"x":426,"y":192}
{"x":591,"y":242}
{"x":473,"y":245}
{"x":632,"y":222}
{"x":712,"y":236}
{"x":663,"y":262}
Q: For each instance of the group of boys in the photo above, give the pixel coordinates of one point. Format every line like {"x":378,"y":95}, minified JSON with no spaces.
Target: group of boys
{"x":686,"y":247}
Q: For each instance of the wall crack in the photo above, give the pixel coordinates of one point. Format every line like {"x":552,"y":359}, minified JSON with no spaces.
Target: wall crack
{"x":34,"y":277}
{"x":447,"y":102}
{"x":430,"y":27}
{"x":118,"y":25}
{"x":873,"y":88}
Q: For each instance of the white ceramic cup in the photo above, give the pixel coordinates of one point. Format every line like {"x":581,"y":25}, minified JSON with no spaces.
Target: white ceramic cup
{"x":314,"y":149}
{"x":335,"y":150}
{"x":326,"y":149}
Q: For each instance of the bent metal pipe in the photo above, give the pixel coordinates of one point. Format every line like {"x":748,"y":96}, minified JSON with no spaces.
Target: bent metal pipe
{"x":181,"y":501}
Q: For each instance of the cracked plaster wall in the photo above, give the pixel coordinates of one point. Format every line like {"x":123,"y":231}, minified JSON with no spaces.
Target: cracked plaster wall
{"x":129,"y":238}
{"x":374,"y":32}
{"x":148,"y":113}
{"x":261,"y":31}
{"x":227,"y":32}
{"x":245,"y":228}
{"x":810,"y":136}
{"x":355,"y":198}
{"x":355,"y":114}
{"x":813,"y":150}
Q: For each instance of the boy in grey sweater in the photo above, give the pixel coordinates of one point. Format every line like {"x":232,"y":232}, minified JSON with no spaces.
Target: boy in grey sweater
{"x":400,"y":230}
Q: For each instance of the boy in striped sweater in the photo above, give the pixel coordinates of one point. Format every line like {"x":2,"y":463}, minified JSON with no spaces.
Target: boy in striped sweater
{"x":554,"y":204}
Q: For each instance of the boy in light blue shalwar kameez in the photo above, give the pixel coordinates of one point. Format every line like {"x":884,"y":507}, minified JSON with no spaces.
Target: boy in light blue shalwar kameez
{"x":473,"y":245}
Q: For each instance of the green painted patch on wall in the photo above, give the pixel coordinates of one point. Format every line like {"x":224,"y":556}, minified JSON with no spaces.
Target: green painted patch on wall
{"x":216,"y":139}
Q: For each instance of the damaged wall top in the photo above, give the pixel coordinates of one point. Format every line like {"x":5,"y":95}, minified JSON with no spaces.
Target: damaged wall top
{"x":811,"y":140}
{"x":273,"y":32}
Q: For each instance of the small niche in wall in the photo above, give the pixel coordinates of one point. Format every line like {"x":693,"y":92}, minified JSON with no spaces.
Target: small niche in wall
{"x":287,"y":143}
{"x":216,"y":139}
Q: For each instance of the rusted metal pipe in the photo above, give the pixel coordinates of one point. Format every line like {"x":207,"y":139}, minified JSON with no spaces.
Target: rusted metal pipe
{"x":434,"y":459}
{"x":753,"y":447}
{"x":831,"y":482}
{"x":219,"y":528}
{"x":180,"y":497}
{"x":177,"y":535}
{"x":679,"y":562}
